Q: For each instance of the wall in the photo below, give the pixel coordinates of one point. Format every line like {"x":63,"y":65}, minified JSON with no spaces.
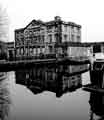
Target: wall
{"x":71,"y":33}
{"x":77,"y":51}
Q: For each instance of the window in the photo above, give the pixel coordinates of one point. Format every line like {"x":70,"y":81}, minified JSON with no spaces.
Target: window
{"x":43,"y":50}
{"x":26,"y":50}
{"x":50,"y":38}
{"x":38,"y":39}
{"x":21,"y":51}
{"x":34,"y":51}
{"x":42,"y":38}
{"x":65,"y":27}
{"x":78,"y":30}
{"x":50,"y":49}
{"x":56,"y":37}
{"x":72,"y":29}
{"x":78,"y":39}
{"x":96,"y":48}
{"x":38,"y":50}
{"x":65,"y":38}
{"x":31,"y":50}
{"x":34,"y":39}
{"x":18,"y":51}
{"x":49,"y":28}
{"x":60,"y":50}
{"x":72,"y":38}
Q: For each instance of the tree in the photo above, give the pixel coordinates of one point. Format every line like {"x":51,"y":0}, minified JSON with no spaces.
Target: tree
{"x":4,"y":33}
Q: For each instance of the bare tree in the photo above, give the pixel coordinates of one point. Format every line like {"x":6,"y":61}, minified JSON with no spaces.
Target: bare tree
{"x":4,"y":26}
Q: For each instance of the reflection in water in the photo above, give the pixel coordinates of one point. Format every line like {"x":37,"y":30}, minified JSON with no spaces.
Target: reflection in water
{"x":96,"y":106}
{"x":4,"y":97}
{"x":54,"y":79}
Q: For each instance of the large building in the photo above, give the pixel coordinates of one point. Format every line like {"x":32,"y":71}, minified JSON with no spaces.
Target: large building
{"x":50,"y":39}
{"x":40,"y":37}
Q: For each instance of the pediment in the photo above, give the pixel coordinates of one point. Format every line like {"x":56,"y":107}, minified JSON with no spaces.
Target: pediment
{"x":35,"y":23}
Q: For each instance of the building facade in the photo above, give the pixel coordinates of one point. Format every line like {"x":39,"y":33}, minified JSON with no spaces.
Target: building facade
{"x":53,"y":39}
{"x":74,"y":50}
{"x":10,"y":50}
{"x":39,"y":37}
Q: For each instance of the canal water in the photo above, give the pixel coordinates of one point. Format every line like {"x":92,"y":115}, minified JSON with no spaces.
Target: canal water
{"x":48,"y":93}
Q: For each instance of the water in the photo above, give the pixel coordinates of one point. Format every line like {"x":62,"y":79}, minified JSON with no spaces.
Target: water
{"x":47,"y":93}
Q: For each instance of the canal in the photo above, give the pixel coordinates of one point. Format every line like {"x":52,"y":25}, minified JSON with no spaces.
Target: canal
{"x":47,"y":93}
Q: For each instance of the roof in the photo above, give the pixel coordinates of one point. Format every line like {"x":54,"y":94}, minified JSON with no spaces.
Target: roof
{"x":20,"y":29}
{"x":10,"y":44}
{"x":73,"y":44}
{"x":36,"y":22}
{"x":53,"y":22}
{"x":2,"y":45}
{"x":94,"y":43}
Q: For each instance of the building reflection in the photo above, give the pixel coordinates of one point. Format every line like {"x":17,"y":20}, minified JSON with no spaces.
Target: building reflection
{"x":96,"y":106}
{"x":54,"y":79}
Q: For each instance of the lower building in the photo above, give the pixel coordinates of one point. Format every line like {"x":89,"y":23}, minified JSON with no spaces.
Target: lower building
{"x":10,"y":50}
{"x":74,"y":50}
{"x":66,"y":49}
{"x":36,"y":51}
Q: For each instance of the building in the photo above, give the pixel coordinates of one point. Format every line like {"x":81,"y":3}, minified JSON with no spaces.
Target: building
{"x":74,"y":50}
{"x":10,"y":50}
{"x":55,"y":38}
{"x":96,"y":49}
{"x":39,"y":38}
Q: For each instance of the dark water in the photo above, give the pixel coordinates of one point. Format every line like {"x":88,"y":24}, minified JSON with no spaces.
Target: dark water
{"x":48,"y":93}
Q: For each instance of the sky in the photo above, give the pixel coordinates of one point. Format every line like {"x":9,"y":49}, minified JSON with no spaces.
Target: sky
{"x":87,"y":13}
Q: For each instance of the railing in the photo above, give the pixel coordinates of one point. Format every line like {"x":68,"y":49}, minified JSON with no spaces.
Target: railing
{"x":40,"y":56}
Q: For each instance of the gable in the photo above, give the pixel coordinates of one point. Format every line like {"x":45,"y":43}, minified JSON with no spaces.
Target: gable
{"x":35,"y":23}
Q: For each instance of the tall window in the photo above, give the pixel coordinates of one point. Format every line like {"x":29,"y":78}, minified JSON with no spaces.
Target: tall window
{"x":50,"y":49}
{"x":42,"y":38}
{"x":65,"y":38}
{"x":21,"y":51}
{"x":78,"y":30}
{"x":38,"y":39}
{"x":17,"y":51}
{"x":72,"y":29}
{"x":35,"y":39}
{"x":26,"y":51}
{"x":50,"y":38}
{"x":56,"y":37}
{"x":31,"y":51}
{"x":78,"y":39}
{"x":72,"y":38}
{"x":65,"y":28}
{"x":34,"y":51}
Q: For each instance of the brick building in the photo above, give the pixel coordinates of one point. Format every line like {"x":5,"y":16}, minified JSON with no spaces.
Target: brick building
{"x":40,"y":37}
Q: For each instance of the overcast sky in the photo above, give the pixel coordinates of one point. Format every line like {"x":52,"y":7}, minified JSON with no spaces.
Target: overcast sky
{"x":88,"y":13}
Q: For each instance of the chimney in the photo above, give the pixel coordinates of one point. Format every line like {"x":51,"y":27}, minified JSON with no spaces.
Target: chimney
{"x":57,"y":18}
